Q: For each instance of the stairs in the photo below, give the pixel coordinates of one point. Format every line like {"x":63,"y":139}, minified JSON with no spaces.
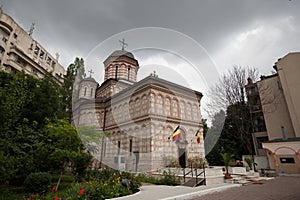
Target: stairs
{"x":192,"y":182}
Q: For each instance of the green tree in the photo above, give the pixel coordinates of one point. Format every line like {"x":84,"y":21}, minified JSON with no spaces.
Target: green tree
{"x":69,"y":91}
{"x":32,"y":138}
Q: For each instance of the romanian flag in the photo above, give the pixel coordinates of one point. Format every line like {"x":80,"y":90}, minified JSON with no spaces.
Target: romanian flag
{"x":176,"y":134}
{"x":198,"y":136}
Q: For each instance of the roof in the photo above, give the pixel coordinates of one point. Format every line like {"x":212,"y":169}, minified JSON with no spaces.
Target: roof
{"x":89,"y":79}
{"x":118,"y":53}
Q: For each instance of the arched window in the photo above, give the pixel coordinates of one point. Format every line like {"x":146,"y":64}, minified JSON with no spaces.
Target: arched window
{"x":159,"y":105}
{"x":175,"y":107}
{"x":92,"y":91}
{"x":84,"y":91}
{"x":116,"y":73}
{"x":128,"y":73}
{"x":167,"y":106}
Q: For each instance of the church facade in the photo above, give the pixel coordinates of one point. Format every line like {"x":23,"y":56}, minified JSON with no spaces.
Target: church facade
{"x":139,"y":117}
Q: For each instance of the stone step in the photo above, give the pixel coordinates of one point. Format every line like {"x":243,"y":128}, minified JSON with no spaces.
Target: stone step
{"x":192,"y":182}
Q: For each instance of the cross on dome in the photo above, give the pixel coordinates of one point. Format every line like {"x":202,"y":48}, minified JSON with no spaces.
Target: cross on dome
{"x":91,"y":72}
{"x":123,"y":44}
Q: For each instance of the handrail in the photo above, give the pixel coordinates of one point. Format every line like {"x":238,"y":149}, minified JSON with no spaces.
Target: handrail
{"x":196,"y":174}
{"x":184,"y":174}
{"x":204,"y":176}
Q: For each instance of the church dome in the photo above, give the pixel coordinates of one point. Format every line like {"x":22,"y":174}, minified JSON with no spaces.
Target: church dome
{"x":89,"y":79}
{"x":119,"y":53}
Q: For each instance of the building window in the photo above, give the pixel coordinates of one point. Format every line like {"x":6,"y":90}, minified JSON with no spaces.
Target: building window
{"x":21,"y":62}
{"x":49,"y":60}
{"x":92,"y":91}
{"x":84,"y":92}
{"x":116,"y":73}
{"x":261,"y":140}
{"x":34,"y":71}
{"x":42,"y":53}
{"x":130,"y":146}
{"x":287,"y":160}
{"x":36,"y":50}
{"x":119,"y":146}
{"x":4,"y":39}
{"x":167,"y":107}
{"x":128,"y":73}
{"x":15,"y":36}
{"x":2,"y":50}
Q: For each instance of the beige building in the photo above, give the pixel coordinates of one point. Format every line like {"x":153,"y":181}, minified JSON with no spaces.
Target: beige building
{"x":140,"y":116}
{"x":20,"y":52}
{"x":280,"y":101}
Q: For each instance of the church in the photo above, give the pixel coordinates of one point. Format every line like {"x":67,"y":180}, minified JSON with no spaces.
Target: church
{"x":139,"y":117}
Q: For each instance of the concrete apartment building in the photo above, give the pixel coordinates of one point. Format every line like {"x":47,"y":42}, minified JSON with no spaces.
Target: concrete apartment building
{"x":280,"y":104}
{"x":20,"y":52}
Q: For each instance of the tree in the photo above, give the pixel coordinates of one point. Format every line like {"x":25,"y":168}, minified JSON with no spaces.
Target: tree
{"x":229,"y":94}
{"x":75,"y":73}
{"x":228,"y":160}
{"x":32,"y":139}
{"x":230,"y":89}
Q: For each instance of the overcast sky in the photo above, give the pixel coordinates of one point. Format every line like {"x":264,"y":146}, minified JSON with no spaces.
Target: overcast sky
{"x":185,"y":36}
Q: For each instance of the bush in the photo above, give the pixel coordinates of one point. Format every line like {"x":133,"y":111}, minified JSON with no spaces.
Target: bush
{"x":167,"y":179}
{"x":37,"y":183}
{"x":197,"y":162}
{"x":172,"y":162}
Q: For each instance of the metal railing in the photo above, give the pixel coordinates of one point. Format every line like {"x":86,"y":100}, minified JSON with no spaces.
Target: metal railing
{"x":192,"y":171}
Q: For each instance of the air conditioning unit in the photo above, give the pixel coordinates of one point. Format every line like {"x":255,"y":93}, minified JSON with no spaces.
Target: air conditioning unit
{"x":120,"y":162}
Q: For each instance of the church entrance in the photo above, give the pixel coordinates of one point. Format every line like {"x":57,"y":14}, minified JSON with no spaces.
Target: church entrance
{"x":182,"y":158}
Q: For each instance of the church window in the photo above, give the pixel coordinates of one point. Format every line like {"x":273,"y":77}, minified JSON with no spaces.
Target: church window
{"x":167,"y":106}
{"x":84,"y":91}
{"x":92,"y":91}
{"x":128,"y":75}
{"x":144,"y":109}
{"x":137,"y":107}
{"x":119,"y":146}
{"x":182,"y":109}
{"x":195,"y":112}
{"x":152,"y":101}
{"x":116,"y":73}
{"x":159,"y":105}
{"x":175,"y":108}
{"x":130,"y":146}
{"x":189,"y":111}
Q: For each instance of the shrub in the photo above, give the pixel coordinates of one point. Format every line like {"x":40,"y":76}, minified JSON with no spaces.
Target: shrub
{"x":167,"y":179}
{"x":37,"y":183}
{"x":197,"y":162}
{"x":173,"y":162}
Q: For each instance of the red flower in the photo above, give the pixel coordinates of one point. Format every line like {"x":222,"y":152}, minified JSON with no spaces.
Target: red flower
{"x":81,"y":191}
{"x":53,"y":188}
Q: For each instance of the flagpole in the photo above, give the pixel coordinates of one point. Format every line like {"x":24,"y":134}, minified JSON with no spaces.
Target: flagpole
{"x":58,"y":182}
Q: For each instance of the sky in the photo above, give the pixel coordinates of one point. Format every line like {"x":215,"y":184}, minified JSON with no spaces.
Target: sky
{"x":188,"y":42}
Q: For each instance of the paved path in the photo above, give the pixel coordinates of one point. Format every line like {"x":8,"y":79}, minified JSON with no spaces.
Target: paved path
{"x":282,"y":187}
{"x":163,"y":192}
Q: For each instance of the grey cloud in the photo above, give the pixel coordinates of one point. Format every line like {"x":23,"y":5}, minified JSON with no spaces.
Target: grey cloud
{"x":74,"y":27}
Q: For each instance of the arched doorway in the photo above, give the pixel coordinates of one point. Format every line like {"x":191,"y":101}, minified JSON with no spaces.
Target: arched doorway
{"x":181,"y":144}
